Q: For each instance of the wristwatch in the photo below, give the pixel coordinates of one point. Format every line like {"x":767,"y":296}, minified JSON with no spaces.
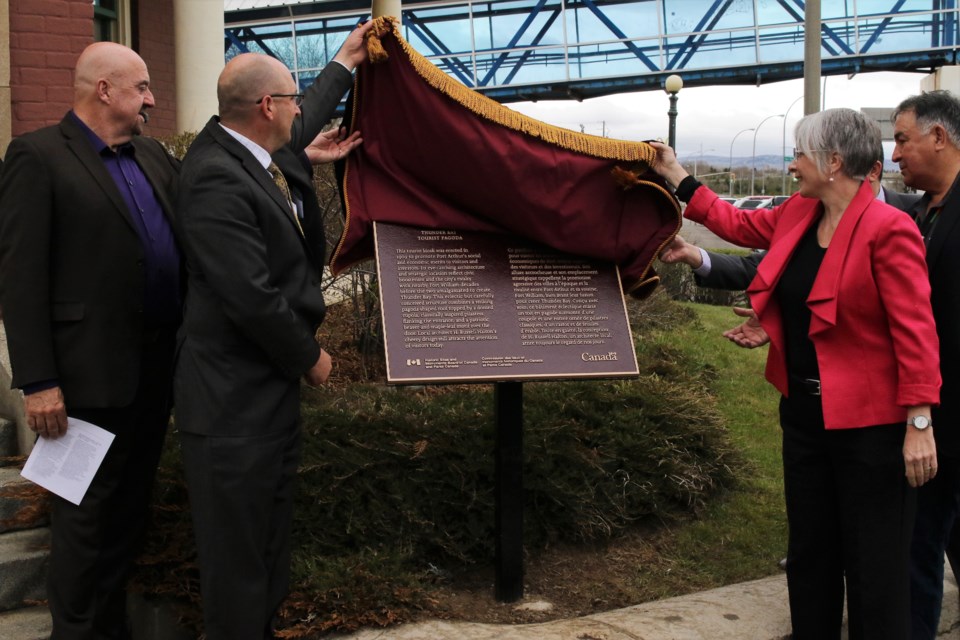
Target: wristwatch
{"x":919,"y":422}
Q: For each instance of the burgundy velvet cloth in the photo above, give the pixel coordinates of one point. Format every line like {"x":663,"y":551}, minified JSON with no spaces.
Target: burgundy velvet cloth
{"x":428,"y":161}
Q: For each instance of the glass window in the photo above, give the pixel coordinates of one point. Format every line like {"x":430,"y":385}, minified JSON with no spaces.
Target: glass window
{"x":106,"y":21}
{"x":781,"y":44}
{"x":685,"y":16}
{"x":614,"y":59}
{"x":511,"y":23}
{"x":437,"y":31}
{"x":319,"y":40}
{"x":521,"y":67}
{"x":274,"y":40}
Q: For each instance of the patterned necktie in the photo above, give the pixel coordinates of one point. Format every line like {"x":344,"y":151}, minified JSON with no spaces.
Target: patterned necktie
{"x":281,"y":181}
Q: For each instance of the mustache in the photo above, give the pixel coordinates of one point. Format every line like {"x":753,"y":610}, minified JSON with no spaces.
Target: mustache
{"x":145,"y":116}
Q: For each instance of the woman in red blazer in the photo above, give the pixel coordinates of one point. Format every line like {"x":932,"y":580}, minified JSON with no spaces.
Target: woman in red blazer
{"x":843,"y":293}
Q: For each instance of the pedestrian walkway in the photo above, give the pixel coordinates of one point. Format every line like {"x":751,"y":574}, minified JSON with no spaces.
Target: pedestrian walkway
{"x":755,"y":610}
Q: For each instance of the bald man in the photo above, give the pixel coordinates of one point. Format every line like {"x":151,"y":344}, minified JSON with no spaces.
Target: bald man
{"x":90,"y":291}
{"x":255,"y":250}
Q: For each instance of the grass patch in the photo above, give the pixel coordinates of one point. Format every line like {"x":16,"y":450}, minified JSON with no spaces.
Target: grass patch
{"x":661,"y":485}
{"x":742,"y":534}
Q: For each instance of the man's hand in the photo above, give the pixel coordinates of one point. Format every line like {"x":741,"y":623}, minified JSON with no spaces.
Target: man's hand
{"x":354,"y":49}
{"x":332,"y":145}
{"x":320,"y":371}
{"x":46,"y":413}
{"x":679,"y":250}
{"x":750,"y":334}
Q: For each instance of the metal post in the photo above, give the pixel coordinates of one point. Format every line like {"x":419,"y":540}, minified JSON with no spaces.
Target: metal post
{"x":731,"y":157}
{"x":672,"y":86}
{"x":508,"y":400}
{"x":753,"y":169}
{"x":783,"y":186}
{"x":811,"y":57}
{"x":672,"y":114}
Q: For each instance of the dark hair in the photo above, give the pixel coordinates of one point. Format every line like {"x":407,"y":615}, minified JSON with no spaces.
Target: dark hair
{"x":934,"y":108}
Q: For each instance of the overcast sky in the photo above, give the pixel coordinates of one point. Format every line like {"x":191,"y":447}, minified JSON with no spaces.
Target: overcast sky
{"x":710,"y":117}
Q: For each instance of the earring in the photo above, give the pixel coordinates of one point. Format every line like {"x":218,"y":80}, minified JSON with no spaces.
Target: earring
{"x":831,"y":177}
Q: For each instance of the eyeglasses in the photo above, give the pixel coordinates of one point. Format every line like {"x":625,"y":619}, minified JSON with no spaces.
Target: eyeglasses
{"x":297,"y":97}
{"x":799,"y":153}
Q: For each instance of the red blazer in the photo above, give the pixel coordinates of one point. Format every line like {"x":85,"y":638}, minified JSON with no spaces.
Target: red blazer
{"x":871,"y":323}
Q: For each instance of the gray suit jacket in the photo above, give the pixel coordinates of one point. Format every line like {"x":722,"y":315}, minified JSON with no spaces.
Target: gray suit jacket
{"x":254,"y":300}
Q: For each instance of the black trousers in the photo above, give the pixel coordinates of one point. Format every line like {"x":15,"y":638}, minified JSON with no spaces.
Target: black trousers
{"x":938,"y":503}
{"x":850,"y":512}
{"x":241,"y":499}
{"x":94,"y":543}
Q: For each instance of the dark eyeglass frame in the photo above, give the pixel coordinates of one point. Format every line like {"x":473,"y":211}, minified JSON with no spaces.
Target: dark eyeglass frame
{"x":297,"y":97}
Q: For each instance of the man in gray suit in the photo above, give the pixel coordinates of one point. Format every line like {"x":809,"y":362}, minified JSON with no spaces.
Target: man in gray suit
{"x":90,"y":289}
{"x":253,"y":235}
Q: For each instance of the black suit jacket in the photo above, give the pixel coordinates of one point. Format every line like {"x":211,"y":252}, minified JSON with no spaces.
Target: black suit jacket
{"x":254,"y":299}
{"x":736,"y":272}
{"x":71,"y":264}
{"x":943,"y":263}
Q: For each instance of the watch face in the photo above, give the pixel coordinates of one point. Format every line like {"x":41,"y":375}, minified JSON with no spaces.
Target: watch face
{"x":920,"y":422}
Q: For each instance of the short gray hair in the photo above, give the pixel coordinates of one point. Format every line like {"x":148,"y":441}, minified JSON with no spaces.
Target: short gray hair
{"x":855,"y":137}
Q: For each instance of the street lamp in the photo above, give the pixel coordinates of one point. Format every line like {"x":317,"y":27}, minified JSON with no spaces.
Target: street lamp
{"x":731,"y":157}
{"x":783,"y":187}
{"x":672,"y":86}
{"x":753,"y":169}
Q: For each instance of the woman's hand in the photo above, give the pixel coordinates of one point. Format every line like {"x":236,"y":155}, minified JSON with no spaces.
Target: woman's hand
{"x":920,"y":455}
{"x":667,"y":166}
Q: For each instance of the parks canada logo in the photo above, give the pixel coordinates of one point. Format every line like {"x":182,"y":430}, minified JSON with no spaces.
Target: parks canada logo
{"x":598,"y":357}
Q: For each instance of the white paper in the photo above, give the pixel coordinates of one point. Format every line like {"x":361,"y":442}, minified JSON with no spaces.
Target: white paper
{"x":66,"y":465}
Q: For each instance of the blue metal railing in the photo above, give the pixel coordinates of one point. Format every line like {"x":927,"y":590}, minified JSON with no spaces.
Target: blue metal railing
{"x":540,"y":49}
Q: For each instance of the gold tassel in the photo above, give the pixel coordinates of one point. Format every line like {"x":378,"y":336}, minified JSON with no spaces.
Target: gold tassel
{"x":375,"y":50}
{"x":625,"y":178}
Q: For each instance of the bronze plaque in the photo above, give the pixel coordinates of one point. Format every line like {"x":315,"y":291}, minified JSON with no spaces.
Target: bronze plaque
{"x":474,"y":307}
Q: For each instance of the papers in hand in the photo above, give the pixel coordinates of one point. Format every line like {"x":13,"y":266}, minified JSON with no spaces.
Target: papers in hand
{"x":66,"y":465}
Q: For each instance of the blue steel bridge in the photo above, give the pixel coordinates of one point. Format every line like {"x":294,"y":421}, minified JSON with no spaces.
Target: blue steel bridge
{"x":518,"y":50}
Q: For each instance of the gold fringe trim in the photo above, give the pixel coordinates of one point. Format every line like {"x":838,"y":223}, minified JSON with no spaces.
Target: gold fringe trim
{"x":640,"y":285}
{"x":493,"y":111}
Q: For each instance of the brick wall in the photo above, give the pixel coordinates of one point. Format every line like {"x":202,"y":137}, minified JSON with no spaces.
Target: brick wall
{"x":157,"y":50}
{"x":46,"y":36}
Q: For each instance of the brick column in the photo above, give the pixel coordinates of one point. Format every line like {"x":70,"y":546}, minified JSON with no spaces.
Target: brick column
{"x":156,"y":47}
{"x":46,"y":38}
{"x":5,"y":106}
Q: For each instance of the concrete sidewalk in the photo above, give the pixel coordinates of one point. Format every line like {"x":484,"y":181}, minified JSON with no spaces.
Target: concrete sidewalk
{"x":754,"y":610}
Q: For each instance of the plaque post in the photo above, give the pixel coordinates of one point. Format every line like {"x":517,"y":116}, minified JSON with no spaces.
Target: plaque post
{"x":508,"y":398}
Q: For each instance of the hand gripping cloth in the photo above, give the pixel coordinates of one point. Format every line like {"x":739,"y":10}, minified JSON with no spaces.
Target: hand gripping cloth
{"x":439,"y":155}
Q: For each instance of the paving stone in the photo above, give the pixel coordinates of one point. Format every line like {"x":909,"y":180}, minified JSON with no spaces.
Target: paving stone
{"x":23,"y":565}
{"x":32,"y":623}
{"x":23,"y":505}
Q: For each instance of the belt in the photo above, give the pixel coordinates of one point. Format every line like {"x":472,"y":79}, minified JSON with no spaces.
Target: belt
{"x":808,"y":386}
